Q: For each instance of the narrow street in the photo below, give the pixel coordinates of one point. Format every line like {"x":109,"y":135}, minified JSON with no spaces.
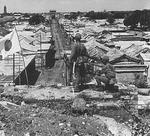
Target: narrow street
{"x":55,"y":74}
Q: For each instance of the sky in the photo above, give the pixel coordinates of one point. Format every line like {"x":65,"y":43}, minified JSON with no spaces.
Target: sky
{"x":72,"y":5}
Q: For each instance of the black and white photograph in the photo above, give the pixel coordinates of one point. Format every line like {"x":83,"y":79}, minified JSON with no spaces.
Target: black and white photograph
{"x":74,"y":67}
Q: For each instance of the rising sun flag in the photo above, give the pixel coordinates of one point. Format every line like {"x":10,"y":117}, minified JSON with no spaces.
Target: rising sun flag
{"x":9,"y":44}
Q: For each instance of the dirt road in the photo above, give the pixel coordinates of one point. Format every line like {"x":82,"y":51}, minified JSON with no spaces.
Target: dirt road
{"x":55,"y":74}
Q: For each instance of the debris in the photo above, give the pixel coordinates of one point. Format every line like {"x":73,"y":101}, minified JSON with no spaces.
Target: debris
{"x":8,"y":105}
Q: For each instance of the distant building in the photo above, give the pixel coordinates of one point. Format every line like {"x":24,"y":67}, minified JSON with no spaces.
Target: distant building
{"x":52,"y":14}
{"x":5,"y":10}
{"x":17,"y":15}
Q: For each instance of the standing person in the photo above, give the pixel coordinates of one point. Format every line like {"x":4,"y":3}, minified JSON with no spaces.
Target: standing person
{"x":79,"y":56}
{"x":50,"y":55}
{"x":107,"y":75}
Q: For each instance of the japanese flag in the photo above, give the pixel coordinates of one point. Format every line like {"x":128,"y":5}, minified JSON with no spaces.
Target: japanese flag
{"x":9,"y":44}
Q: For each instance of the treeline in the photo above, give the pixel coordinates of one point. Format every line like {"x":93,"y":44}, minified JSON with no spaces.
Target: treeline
{"x":138,"y":19}
{"x":92,"y":15}
{"x":105,"y":14}
{"x":74,"y":15}
{"x":133,"y":19}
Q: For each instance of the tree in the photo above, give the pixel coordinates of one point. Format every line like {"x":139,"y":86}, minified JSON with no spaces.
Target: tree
{"x":132,"y":19}
{"x":36,"y":19}
{"x":145,"y":19}
{"x":73,"y":15}
{"x":26,"y":15}
{"x":110,"y":18}
{"x":138,"y":17}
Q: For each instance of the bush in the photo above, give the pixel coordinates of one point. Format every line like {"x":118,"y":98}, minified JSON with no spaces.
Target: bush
{"x":36,"y":19}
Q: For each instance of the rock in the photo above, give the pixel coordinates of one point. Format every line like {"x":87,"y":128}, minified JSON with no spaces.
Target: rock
{"x":1,"y":89}
{"x":32,"y":133}
{"x":88,"y":93}
{"x":27,"y":134}
{"x":79,"y":104}
{"x":59,"y":85}
{"x":107,"y":105}
{"x":2,"y":133}
{"x":114,"y":127}
{"x":68,"y":124}
{"x":61,"y":124}
{"x":23,"y":103}
{"x":83,"y":123}
{"x":16,"y":89}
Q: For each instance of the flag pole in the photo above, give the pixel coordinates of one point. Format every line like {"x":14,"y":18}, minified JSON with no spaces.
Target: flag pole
{"x":23,"y":59}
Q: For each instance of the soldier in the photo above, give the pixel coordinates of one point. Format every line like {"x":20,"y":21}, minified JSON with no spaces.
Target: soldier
{"x":107,"y":75}
{"x":79,"y":56}
{"x":50,"y":55}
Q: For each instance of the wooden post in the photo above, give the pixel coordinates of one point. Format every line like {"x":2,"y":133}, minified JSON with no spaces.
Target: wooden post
{"x":14,"y":69}
{"x":41,"y":50}
{"x":66,"y":68}
{"x":19,"y":71}
{"x":66,"y":74}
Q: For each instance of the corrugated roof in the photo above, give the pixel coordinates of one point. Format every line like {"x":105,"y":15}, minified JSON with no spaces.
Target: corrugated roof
{"x":94,"y":43}
{"x":123,"y":57}
{"x":114,"y":53}
{"x":134,"y":50}
{"x":127,"y":44}
{"x":145,"y":56}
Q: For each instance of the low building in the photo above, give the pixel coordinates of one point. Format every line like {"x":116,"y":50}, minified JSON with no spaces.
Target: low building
{"x":145,"y":58}
{"x":127,"y":68}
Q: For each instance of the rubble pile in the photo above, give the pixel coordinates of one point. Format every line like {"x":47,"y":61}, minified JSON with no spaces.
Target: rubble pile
{"x":138,"y":124}
{"x":138,"y":128}
{"x":72,"y":116}
{"x":42,"y":121}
